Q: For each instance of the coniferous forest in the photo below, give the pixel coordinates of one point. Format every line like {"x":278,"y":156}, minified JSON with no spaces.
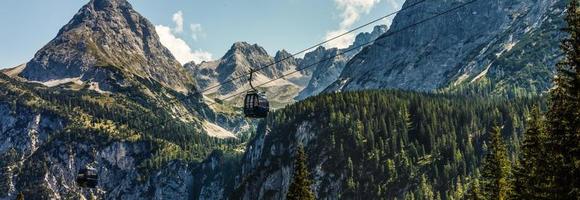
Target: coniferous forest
{"x":486,"y":140}
{"x":389,"y":141}
{"x":444,"y":146}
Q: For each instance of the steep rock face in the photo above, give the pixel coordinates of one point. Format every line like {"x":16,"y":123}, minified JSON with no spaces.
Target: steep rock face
{"x":285,"y":62}
{"x":267,"y":169}
{"x":51,"y":173}
{"x":365,"y":39}
{"x":22,"y":133}
{"x":329,"y":63}
{"x":319,"y":68}
{"x":107,"y":33}
{"x":460,"y":47}
{"x":325,"y":72}
{"x":215,"y":177}
{"x":243,"y":57}
{"x":43,"y":168}
{"x":47,"y":133}
{"x":42,"y":163}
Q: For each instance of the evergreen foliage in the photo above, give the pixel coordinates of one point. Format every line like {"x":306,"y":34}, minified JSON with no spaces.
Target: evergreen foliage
{"x":496,"y":172}
{"x":391,"y":144}
{"x":300,"y":187}
{"x":474,"y":192}
{"x":563,"y":117}
{"x":142,"y":113}
{"x":532,"y":168}
{"x":550,"y":164}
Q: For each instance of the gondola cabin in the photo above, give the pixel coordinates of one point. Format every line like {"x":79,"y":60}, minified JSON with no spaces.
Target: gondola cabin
{"x":256,"y":105}
{"x":87,"y":177}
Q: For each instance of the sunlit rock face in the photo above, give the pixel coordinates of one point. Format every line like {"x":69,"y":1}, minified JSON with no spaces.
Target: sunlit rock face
{"x":506,"y":42}
{"x":107,"y":33}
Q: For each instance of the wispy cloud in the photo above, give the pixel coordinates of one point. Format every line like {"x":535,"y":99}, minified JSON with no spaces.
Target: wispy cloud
{"x":196,"y":31}
{"x":351,"y":13}
{"x":178,"y":47}
{"x":178,"y":20}
{"x":394,"y":4}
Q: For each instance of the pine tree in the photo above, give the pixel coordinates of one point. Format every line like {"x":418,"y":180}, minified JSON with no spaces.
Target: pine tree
{"x":496,"y":169}
{"x":530,"y":174}
{"x":564,"y":114}
{"x":425,"y":189}
{"x":474,"y":192}
{"x":300,"y":187}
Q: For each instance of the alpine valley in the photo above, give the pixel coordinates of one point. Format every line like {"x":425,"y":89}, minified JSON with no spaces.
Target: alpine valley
{"x":405,"y":112}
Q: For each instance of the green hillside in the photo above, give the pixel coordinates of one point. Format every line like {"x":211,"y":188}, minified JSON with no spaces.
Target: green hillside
{"x":390,"y":143}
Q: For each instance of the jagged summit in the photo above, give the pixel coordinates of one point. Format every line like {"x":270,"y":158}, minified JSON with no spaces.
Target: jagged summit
{"x":325,"y":73}
{"x":233,"y":68}
{"x":282,"y":54}
{"x":107,"y":33}
{"x":285,"y":62}
{"x":246,"y":48}
{"x":242,"y":57}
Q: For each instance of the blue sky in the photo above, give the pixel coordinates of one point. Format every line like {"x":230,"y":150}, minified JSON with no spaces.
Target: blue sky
{"x":198,"y":29}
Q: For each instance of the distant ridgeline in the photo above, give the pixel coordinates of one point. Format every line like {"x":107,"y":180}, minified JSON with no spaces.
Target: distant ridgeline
{"x":374,"y":144}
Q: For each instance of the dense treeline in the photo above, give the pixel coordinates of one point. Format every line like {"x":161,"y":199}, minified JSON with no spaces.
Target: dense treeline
{"x":549,"y":165}
{"x":401,"y":144}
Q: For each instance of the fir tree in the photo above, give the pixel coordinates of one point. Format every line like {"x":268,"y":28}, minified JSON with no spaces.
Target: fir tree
{"x":425,"y":189}
{"x":474,"y":192}
{"x":530,"y":174}
{"x":300,"y":187}
{"x":496,"y":169}
{"x":564,"y":114}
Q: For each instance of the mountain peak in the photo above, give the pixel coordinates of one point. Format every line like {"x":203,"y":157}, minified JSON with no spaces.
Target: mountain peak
{"x":109,"y":4}
{"x":241,"y":44}
{"x":380,"y":29}
{"x":107,"y":33}
{"x":101,"y":4}
{"x":246,"y":49}
{"x":282,"y":54}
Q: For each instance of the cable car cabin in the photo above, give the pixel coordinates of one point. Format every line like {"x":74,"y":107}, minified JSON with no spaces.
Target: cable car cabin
{"x":256,"y":105}
{"x":88,"y":178}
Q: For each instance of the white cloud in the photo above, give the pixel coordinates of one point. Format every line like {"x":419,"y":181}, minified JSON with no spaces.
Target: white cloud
{"x":178,"y":20}
{"x":394,"y":4}
{"x":196,"y":31}
{"x":179,"y":48}
{"x":351,"y":12}
{"x":340,"y":42}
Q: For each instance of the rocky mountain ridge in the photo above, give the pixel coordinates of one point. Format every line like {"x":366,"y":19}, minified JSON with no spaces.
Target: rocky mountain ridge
{"x":49,"y":133}
{"x":484,"y":43}
{"x":111,"y":97}
{"x":316,"y":75}
{"x":325,"y":73}
{"x":237,"y":63}
{"x":107,"y":33}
